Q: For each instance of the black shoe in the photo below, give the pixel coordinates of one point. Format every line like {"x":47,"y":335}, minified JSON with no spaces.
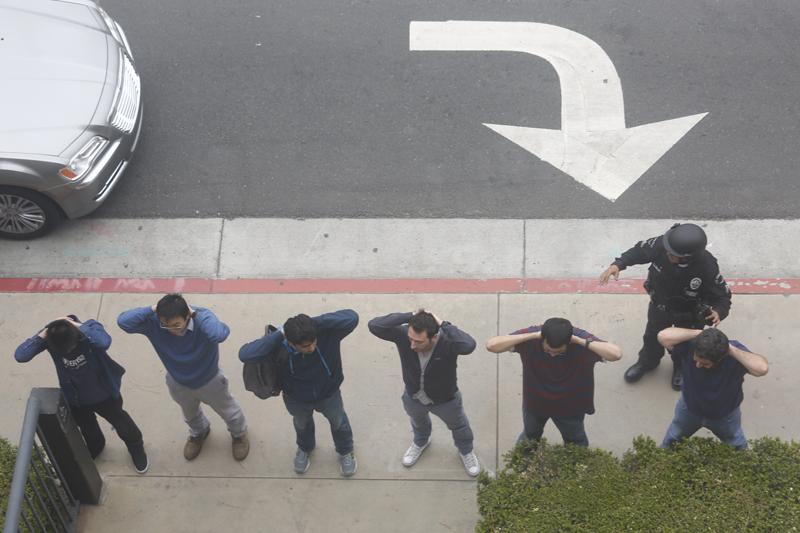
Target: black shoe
{"x":677,"y":378}
{"x":140,"y":461}
{"x":636,"y":371}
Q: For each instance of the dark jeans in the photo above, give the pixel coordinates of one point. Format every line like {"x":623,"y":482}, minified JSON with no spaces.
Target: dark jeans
{"x":331,"y":408}
{"x":120,"y":420}
{"x":657,"y":319}
{"x":571,"y":427}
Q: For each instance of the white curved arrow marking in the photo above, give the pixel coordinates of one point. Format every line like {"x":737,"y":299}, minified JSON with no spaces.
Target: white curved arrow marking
{"x":593,"y":145}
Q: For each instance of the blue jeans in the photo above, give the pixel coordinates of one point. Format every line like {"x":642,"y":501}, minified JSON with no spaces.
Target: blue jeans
{"x":571,"y":427}
{"x":451,"y":413}
{"x":728,"y":429}
{"x":331,"y":408}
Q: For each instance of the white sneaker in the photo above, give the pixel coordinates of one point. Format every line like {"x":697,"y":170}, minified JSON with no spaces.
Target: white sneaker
{"x":471,"y":464}
{"x":413,"y":453}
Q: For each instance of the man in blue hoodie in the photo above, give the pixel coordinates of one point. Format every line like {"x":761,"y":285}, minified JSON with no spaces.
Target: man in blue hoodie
{"x":311,"y":380}
{"x":187,"y":342}
{"x":90,"y":381}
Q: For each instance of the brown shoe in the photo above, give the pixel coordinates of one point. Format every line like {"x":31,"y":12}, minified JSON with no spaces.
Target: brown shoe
{"x":194,"y":444}
{"x":241,"y":447}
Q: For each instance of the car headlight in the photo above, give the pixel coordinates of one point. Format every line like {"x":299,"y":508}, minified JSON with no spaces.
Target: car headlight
{"x":86,"y":157}
{"x":112,"y":26}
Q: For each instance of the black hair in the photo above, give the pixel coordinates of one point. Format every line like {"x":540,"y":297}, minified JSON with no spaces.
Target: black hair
{"x":557,"y":332}
{"x":62,"y":337}
{"x":172,"y":306}
{"x":711,"y":345}
{"x":300,"y":329}
{"x":424,"y":322}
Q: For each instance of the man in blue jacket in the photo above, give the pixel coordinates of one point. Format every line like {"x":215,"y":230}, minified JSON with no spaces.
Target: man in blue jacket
{"x":429,"y":350}
{"x":311,"y":380}
{"x":187,"y":342}
{"x":90,"y":381}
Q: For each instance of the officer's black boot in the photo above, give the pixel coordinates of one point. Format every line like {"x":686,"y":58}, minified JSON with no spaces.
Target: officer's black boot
{"x":637,"y":370}
{"x":677,"y":377}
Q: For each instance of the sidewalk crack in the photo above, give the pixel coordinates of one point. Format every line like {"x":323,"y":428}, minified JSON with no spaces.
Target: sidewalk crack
{"x":219,"y":248}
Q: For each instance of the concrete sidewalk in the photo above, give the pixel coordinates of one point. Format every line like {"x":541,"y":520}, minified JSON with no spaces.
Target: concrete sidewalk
{"x":215,"y":493}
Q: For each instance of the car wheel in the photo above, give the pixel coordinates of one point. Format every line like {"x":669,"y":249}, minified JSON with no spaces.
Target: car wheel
{"x":26,"y":214}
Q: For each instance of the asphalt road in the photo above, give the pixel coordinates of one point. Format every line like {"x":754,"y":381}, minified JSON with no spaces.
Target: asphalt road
{"x":318,"y":109}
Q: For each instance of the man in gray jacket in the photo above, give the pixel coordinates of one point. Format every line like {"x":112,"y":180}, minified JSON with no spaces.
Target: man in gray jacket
{"x":429,"y":349}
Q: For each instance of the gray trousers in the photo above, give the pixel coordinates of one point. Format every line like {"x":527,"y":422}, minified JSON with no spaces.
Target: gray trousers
{"x":215,"y":394}
{"x":451,"y":413}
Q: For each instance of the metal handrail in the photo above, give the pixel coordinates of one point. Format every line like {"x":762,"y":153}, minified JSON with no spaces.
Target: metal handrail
{"x":39,"y":499}
{"x":24,"y":452}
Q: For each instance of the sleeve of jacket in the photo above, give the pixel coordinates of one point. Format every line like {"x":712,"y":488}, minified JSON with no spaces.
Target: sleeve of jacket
{"x":717,"y":293}
{"x":462,"y":342}
{"x":389,"y":327}
{"x":338,"y":323}
{"x":211,"y":326}
{"x":135,"y":320}
{"x":30,"y":349}
{"x":96,"y":334}
{"x":260,"y":348}
{"x":642,"y":253}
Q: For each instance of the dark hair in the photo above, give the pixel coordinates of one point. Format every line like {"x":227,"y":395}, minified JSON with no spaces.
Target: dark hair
{"x":172,"y":306}
{"x":424,"y":322}
{"x":300,"y":329}
{"x":62,"y":336}
{"x":711,"y":345}
{"x":557,"y":332}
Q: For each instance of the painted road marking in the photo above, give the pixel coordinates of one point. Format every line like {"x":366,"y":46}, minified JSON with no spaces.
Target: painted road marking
{"x":364,"y":286}
{"x":593,"y":145}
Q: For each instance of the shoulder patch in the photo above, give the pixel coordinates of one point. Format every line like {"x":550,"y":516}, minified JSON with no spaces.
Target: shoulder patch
{"x":695,"y":283}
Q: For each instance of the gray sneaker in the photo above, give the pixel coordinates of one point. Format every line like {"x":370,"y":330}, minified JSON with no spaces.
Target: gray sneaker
{"x":301,"y":461}
{"x":349,"y":464}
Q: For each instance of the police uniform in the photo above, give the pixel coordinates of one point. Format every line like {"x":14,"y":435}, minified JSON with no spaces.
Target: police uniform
{"x":678,"y":292}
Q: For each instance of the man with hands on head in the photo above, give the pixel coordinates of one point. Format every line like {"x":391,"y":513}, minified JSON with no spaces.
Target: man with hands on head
{"x":557,"y":376}
{"x":90,"y":381}
{"x":311,"y":380}
{"x":187,"y":342}
{"x":713,"y":369}
{"x":429,"y":350}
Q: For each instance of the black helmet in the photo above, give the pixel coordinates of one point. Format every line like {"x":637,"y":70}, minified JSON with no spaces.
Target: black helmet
{"x":685,"y":240}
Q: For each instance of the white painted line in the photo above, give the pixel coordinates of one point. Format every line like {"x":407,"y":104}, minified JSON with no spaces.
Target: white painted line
{"x":381,"y":248}
{"x":593,"y":145}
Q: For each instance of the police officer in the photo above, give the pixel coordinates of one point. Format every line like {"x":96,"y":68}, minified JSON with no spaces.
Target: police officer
{"x":685,"y":286}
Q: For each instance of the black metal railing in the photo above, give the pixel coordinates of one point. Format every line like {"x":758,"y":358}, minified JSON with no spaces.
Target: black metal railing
{"x":39,"y":499}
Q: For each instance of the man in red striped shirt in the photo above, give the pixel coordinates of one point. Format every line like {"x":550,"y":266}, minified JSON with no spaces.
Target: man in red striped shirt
{"x":557,"y":376}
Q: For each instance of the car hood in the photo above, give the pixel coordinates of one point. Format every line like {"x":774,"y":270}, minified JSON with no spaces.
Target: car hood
{"x":53,"y":63}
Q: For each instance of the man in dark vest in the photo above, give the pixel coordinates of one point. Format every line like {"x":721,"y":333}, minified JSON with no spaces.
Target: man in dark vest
{"x":429,"y":350}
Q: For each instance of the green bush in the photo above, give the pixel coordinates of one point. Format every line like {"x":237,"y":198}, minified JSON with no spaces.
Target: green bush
{"x":700,"y":485}
{"x":8,"y":456}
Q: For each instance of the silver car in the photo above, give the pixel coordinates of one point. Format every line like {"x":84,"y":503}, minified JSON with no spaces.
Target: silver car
{"x":70,"y":112}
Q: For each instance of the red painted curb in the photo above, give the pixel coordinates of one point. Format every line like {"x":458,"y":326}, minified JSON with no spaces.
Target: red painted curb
{"x":366,"y":286}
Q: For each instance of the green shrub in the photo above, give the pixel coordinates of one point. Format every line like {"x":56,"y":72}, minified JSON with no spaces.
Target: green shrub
{"x":700,"y":485}
{"x":8,"y":456}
